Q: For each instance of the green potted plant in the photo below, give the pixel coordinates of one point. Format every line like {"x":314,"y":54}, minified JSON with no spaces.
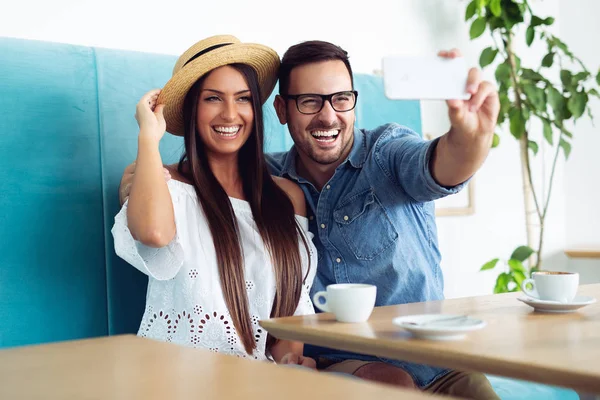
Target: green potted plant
{"x":552,"y":95}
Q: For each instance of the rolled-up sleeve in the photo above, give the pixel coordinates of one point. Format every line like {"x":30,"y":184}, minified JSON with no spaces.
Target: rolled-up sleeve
{"x":405,"y":159}
{"x":159,"y":263}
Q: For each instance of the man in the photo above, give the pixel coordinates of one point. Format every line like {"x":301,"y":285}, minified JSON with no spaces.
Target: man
{"x":371,"y":197}
{"x":371,"y":193}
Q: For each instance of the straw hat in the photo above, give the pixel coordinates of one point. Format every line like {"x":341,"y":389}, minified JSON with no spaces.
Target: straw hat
{"x":207,"y":55}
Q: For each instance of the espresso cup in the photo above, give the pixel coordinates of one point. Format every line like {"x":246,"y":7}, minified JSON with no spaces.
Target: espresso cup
{"x":553,"y":286}
{"x":349,"y":302}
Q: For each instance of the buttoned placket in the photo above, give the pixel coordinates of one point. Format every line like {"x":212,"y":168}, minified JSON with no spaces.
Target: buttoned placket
{"x":322,"y":215}
{"x":321,"y":208}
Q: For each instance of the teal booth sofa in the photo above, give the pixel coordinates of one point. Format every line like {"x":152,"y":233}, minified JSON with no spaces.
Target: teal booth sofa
{"x":67,"y":131}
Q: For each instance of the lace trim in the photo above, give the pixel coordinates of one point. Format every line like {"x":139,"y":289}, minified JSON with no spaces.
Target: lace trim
{"x":213,"y":331}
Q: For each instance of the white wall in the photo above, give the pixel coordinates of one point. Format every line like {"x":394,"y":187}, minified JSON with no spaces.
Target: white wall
{"x":367,"y":33}
{"x":171,"y":26}
{"x":580,"y":30}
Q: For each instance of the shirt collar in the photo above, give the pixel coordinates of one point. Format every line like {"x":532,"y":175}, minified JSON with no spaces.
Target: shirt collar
{"x":358,"y":154}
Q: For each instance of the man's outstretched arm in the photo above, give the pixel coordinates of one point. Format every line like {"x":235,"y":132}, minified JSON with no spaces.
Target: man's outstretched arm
{"x":461,"y":152}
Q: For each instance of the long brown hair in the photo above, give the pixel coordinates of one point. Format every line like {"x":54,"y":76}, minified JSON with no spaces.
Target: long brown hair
{"x":272,"y":210}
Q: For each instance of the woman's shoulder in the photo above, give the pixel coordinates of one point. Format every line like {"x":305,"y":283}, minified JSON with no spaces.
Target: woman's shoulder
{"x":294,"y":192}
{"x":179,"y":185}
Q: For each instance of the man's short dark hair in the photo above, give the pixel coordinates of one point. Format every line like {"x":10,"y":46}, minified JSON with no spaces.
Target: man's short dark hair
{"x":306,"y":53}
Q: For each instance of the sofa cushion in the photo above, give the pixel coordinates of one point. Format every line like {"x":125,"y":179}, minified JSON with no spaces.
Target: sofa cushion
{"x":52,"y":247}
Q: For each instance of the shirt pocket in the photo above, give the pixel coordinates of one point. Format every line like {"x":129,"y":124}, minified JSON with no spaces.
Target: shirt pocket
{"x":364,"y":225}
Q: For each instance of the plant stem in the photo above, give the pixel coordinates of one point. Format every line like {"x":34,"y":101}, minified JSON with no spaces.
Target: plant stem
{"x":528,"y":190}
{"x":538,"y":262}
{"x":547,"y":203}
{"x":498,"y":47}
{"x":551,"y":177}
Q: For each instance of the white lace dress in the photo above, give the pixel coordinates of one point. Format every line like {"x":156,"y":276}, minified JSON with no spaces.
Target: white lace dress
{"x":184,"y":302}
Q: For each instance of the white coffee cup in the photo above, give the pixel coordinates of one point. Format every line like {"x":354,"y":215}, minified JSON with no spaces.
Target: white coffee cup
{"x":553,"y":286}
{"x":350,"y":302}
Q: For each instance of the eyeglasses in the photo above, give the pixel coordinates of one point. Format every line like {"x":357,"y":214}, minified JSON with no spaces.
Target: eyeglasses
{"x":311,"y":103}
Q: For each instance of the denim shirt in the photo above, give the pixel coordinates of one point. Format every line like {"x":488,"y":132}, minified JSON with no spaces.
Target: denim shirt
{"x":374,"y":222}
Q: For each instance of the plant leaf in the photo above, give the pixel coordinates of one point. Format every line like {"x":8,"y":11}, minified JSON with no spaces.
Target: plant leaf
{"x":566,"y":146}
{"x":565,"y":131}
{"x":548,"y":60}
{"x":557,"y":102}
{"x":516,"y":265}
{"x":531,"y":75}
{"x":502,"y":73}
{"x":548,"y":132}
{"x":522,"y":253}
{"x":561,"y":45}
{"x":471,"y":10}
{"x":535,"y":21}
{"x":598,"y":78}
{"x":487,"y":56}
{"x":577,"y":103}
{"x":566,"y":78}
{"x":501,"y":119}
{"x":533,"y":146}
{"x":502,"y":283}
{"x":549,"y":21}
{"x":505,"y":103}
{"x":566,"y":113}
{"x":517,"y":123}
{"x":519,"y":277}
{"x":589,"y":112}
{"x":554,"y":97}
{"x":580,"y":76}
{"x":490,"y":264}
{"x":536,"y":96}
{"x":495,"y":140}
{"x":496,"y":8}
{"x":495,"y":23}
{"x":529,"y":35}
{"x":477,"y":28}
{"x":517,"y":62}
{"x":512,"y":13}
{"x":526,"y":113}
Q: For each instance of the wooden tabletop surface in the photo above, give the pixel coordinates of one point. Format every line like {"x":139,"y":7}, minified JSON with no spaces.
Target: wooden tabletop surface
{"x":518,"y":342}
{"x":129,"y":367}
{"x":583,"y":253}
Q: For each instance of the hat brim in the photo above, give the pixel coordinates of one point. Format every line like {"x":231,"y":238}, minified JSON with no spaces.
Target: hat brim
{"x":264,"y":60}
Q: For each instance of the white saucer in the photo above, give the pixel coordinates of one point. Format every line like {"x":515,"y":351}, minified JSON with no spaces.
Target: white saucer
{"x":557,"y":307}
{"x":439,"y":326}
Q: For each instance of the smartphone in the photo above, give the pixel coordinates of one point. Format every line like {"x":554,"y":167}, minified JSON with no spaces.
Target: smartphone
{"x":425,"y":78}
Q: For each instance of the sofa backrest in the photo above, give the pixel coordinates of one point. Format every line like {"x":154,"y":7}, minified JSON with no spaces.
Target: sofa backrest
{"x":67,"y":131}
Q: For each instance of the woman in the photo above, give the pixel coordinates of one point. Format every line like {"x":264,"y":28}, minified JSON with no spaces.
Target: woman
{"x":224,"y":243}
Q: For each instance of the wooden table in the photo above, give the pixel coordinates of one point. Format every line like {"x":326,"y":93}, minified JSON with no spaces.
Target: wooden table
{"x":583,"y":253}
{"x":129,"y":367}
{"x":559,"y":349}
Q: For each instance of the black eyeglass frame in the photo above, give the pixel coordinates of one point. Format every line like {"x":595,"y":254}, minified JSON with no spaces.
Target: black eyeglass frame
{"x":324,"y":98}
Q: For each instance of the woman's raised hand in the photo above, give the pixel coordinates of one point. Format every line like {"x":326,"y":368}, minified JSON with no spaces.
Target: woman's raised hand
{"x":150,"y":116}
